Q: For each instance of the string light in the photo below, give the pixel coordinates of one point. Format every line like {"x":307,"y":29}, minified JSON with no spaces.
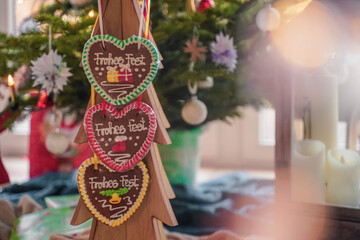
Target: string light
{"x":91,"y":13}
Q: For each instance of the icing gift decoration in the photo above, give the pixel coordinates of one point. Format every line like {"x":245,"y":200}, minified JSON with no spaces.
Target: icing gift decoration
{"x":112,"y":197}
{"x":121,"y":71}
{"x":121,"y":138}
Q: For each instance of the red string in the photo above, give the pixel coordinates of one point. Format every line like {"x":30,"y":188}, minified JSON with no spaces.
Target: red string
{"x":103,"y":107}
{"x":138,"y":104}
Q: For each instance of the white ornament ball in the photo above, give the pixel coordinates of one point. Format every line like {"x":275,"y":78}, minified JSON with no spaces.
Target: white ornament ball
{"x":194,"y":111}
{"x":268,"y":18}
{"x":56,"y":142}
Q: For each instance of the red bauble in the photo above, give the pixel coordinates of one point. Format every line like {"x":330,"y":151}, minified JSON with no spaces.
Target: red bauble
{"x":205,"y":4}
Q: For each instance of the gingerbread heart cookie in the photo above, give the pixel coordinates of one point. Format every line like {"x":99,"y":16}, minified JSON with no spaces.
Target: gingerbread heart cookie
{"x":121,"y":70}
{"x":120,"y":138}
{"x":112,"y":197}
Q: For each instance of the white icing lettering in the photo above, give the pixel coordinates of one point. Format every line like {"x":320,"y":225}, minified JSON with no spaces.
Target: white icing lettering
{"x":103,"y":184}
{"x":109,"y":60}
{"x":110,"y":130}
{"x":137,"y":127}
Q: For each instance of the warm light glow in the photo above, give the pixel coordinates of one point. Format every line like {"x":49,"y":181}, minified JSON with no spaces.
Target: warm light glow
{"x":10,"y":80}
{"x":20,"y":2}
{"x":289,"y":9}
{"x":309,"y":39}
{"x":91,"y":13}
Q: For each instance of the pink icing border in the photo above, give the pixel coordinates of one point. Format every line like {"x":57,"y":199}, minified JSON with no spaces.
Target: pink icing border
{"x":139,"y":155}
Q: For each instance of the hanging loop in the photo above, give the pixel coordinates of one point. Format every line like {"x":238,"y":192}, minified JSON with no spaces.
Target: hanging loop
{"x":196,"y":31}
{"x":101,"y":22}
{"x":192,"y":88}
{"x":141,"y":21}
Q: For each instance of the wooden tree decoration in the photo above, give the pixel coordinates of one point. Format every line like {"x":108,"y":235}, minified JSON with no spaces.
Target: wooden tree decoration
{"x":122,"y":19}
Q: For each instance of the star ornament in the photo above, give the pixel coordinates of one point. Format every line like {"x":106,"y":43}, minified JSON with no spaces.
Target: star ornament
{"x":50,"y":72}
{"x":196,"y":51}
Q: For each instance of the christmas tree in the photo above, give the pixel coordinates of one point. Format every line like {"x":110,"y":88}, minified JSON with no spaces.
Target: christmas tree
{"x":172,"y":25}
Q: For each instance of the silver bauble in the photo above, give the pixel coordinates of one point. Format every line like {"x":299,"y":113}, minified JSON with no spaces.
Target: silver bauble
{"x":194,"y":111}
{"x":57,"y":142}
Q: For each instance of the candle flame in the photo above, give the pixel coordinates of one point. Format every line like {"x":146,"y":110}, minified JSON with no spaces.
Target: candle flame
{"x":91,"y":13}
{"x":10,"y":80}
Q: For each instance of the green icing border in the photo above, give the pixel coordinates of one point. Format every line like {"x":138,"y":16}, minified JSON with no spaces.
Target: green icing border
{"x":121,"y":44}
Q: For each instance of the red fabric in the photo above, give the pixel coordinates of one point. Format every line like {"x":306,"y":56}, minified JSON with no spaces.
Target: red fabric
{"x":84,"y":153}
{"x":41,"y":160}
{"x":3,"y":118}
{"x":4,"y":177}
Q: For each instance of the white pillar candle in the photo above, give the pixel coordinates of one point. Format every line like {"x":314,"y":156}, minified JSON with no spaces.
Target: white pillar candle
{"x":308,"y":171}
{"x":324,"y":111}
{"x":343,"y":168}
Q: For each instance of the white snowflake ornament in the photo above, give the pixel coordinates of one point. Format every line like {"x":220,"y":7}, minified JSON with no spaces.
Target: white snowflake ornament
{"x":223,"y":51}
{"x":50,"y":72}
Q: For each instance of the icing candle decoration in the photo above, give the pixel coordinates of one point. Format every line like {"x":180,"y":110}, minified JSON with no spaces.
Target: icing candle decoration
{"x":121,"y":71}
{"x":11,"y":84}
{"x":122,"y":138}
{"x":112,"y":197}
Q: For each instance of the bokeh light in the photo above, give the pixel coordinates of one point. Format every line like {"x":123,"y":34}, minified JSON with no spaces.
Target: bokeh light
{"x":309,"y":39}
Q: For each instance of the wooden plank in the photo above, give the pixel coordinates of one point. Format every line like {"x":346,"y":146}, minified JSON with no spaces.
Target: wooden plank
{"x":81,"y":214}
{"x":159,"y":229}
{"x":161,"y":136}
{"x":101,"y":231}
{"x":158,"y":199}
{"x":169,"y":191}
{"x":158,"y":105}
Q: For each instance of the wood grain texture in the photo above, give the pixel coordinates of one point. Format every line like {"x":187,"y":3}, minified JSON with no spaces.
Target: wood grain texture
{"x":169,"y":191}
{"x":158,"y":105}
{"x":81,"y":214}
{"x":161,"y":136}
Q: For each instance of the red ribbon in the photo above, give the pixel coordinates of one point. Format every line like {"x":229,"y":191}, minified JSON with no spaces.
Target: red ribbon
{"x":104,"y":106}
